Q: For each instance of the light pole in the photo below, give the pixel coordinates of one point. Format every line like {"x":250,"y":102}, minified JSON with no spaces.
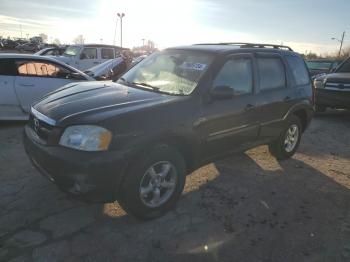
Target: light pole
{"x":341,"y":42}
{"x":121,"y":15}
{"x":115,"y":31}
{"x":143,"y":42}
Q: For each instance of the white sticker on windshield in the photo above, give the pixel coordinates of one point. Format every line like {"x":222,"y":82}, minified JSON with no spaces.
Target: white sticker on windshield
{"x":193,"y":66}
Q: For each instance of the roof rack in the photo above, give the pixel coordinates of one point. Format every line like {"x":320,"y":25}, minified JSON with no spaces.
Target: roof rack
{"x":252,"y":45}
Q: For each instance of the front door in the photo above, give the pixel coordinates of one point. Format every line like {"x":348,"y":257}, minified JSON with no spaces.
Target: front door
{"x":229,"y":124}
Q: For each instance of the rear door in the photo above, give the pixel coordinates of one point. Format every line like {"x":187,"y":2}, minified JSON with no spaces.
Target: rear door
{"x":88,"y":58}
{"x":35,"y":78}
{"x":231,"y":123}
{"x":275,"y":95}
{"x":106,"y":54}
{"x":9,"y":104}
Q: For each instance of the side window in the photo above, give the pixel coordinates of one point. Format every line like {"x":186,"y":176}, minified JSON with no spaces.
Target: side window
{"x":238,"y":74}
{"x":299,"y":71}
{"x":271,"y":73}
{"x":107,"y":53}
{"x":7,"y":68}
{"x":89,"y":53}
{"x":41,"y":69}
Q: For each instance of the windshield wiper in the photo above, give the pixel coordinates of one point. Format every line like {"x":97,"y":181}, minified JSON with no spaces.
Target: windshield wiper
{"x":146,"y":85}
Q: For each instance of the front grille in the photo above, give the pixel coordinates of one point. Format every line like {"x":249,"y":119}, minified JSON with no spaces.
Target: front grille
{"x":338,"y":86}
{"x":40,"y":127}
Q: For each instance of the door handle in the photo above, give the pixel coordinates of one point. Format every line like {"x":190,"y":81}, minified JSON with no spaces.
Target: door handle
{"x":26,"y":84}
{"x":96,"y":63}
{"x":287,"y":98}
{"x":249,"y":107}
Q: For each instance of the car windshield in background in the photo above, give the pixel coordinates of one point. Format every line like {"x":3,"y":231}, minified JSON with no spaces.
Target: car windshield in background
{"x":171,"y":72}
{"x":319,"y":65}
{"x":344,"y":68}
{"x":71,"y":51}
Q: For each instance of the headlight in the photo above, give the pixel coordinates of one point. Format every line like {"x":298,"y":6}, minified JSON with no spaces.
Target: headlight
{"x":319,"y":83}
{"x":86,"y":138}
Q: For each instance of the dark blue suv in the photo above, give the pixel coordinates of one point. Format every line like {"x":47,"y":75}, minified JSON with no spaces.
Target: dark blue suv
{"x":135,"y":140}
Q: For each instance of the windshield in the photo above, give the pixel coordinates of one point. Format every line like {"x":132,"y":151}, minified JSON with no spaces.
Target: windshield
{"x":171,"y":72}
{"x":71,"y":51}
{"x":319,"y":65}
{"x":345,"y":67}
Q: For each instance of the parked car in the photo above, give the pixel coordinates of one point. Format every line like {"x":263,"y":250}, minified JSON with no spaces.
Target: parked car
{"x":26,"y":78}
{"x":28,"y":47}
{"x":321,"y":66}
{"x":333,"y":90}
{"x":84,"y":57}
{"x":51,"y":51}
{"x":109,"y":70}
{"x":135,"y":140}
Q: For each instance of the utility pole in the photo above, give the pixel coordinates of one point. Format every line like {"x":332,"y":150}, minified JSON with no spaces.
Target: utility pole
{"x":143,"y":41}
{"x":20,"y":26}
{"x":121,"y":15}
{"x":115,"y":31}
{"x":341,"y":43}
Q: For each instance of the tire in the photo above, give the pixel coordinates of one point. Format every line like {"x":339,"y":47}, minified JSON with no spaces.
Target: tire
{"x":320,"y":109}
{"x":140,"y":177}
{"x":279,"y":148}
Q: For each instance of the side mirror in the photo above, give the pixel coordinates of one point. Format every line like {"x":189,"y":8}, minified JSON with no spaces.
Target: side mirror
{"x":222,"y":92}
{"x":82,"y":56}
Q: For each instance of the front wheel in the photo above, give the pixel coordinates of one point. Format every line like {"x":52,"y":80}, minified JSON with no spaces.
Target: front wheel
{"x":153,"y":186}
{"x":288,"y":142}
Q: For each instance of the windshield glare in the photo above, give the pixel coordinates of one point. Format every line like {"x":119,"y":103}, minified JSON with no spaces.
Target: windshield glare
{"x":71,"y":51}
{"x":344,"y":68}
{"x":172,"y":72}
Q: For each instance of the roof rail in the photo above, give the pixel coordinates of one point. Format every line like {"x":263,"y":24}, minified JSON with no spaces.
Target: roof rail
{"x":253,"y":45}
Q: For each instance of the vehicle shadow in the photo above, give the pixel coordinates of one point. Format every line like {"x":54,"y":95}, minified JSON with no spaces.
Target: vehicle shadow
{"x":249,"y":211}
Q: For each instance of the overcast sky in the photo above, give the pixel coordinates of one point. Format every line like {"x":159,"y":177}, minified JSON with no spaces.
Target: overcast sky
{"x":303,"y":24}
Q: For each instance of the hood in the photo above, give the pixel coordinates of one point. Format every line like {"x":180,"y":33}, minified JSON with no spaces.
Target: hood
{"x":335,"y":77}
{"x":102,"y":98}
{"x":104,"y":68}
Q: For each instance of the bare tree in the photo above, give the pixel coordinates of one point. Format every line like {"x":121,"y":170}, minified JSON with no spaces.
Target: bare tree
{"x":44,"y":37}
{"x":79,"y":40}
{"x":56,"y":41}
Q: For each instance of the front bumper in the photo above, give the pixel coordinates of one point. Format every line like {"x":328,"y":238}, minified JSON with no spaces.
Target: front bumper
{"x":93,"y":175}
{"x":332,"y":98}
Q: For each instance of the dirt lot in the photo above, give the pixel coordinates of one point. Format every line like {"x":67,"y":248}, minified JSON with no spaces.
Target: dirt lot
{"x":245,"y":208}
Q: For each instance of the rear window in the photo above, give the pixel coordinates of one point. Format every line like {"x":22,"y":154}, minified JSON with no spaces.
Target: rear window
{"x":271,"y":73}
{"x":299,"y":71}
{"x":107,"y":53}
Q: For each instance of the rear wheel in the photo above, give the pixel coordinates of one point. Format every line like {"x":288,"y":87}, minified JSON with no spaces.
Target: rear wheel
{"x":152,"y":187}
{"x":288,"y":142}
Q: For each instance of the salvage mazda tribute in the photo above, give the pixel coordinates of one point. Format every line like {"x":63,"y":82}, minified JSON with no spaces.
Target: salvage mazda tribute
{"x":135,"y":140}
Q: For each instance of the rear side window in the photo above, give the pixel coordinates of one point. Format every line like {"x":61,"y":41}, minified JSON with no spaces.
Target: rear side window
{"x":271,"y":73}
{"x":299,"y":71}
{"x":238,"y":74}
{"x":7,"y":67}
{"x":89,"y":53}
{"x":41,"y":69}
{"x":107,"y":53}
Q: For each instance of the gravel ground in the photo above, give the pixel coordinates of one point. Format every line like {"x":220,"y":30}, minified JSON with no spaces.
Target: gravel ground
{"x":245,"y":208}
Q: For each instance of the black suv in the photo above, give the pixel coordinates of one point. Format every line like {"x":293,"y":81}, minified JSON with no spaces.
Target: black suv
{"x":333,"y":90}
{"x":135,"y":140}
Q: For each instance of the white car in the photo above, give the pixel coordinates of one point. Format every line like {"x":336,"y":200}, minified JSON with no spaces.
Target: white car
{"x":26,"y":78}
{"x":84,"y":57}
